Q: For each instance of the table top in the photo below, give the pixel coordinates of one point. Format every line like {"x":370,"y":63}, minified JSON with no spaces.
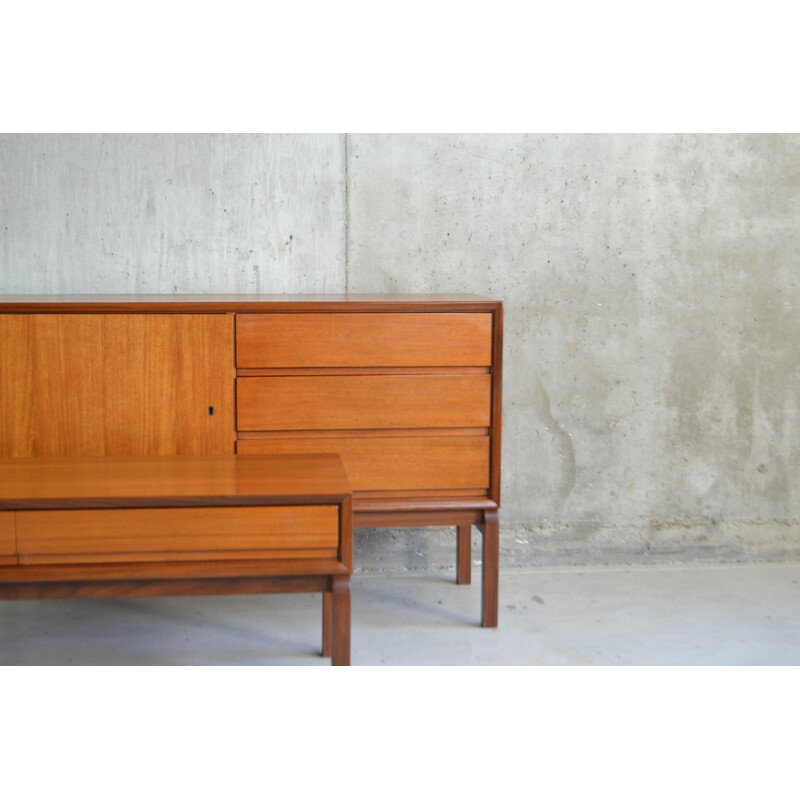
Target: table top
{"x":165,"y":481}
{"x":216,"y":303}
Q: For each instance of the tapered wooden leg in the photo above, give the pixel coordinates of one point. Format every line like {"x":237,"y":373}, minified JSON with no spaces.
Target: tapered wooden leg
{"x":464,"y":554}
{"x":327,"y":628}
{"x":340,"y":619}
{"x":491,"y":569}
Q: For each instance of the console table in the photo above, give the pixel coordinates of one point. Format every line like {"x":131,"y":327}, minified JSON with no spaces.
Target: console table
{"x":180,"y":525}
{"x":405,"y":388}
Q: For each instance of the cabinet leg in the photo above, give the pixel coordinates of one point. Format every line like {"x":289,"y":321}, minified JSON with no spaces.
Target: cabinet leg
{"x":491,"y":569}
{"x":464,"y":554}
{"x":340,"y":618}
{"x":327,"y":626}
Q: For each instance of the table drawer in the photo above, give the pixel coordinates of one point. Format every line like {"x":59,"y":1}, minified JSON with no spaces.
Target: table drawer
{"x":61,"y":536}
{"x":396,"y":463}
{"x":359,"y":402}
{"x":364,"y":340}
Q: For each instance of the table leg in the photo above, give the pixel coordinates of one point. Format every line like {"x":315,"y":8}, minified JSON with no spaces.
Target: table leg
{"x":491,"y":566}
{"x":464,"y":554}
{"x":327,"y":626}
{"x":340,"y":618}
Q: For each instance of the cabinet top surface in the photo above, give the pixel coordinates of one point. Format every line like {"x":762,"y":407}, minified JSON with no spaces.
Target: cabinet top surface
{"x":244,"y":302}
{"x":170,"y":480}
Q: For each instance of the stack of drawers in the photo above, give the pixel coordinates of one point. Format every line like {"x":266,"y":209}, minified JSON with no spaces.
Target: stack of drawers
{"x":404,"y":398}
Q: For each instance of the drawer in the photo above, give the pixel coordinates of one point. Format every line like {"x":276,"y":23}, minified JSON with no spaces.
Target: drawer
{"x":363,"y":402}
{"x":364,"y":340}
{"x":394,"y":462}
{"x":120,"y":534}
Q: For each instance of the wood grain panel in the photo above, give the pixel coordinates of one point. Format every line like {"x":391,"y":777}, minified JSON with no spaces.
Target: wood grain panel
{"x":7,"y":536}
{"x":116,"y":384}
{"x":163,"y":374}
{"x":363,"y":402}
{"x":444,"y":462}
{"x":175,"y":530}
{"x":364,"y":340}
{"x":51,"y":385}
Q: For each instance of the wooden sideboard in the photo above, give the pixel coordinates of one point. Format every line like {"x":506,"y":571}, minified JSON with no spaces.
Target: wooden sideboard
{"x":405,"y":388}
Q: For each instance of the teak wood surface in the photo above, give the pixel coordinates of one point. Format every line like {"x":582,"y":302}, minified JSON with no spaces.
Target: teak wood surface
{"x":375,"y":402}
{"x":364,"y":340}
{"x":135,"y":534}
{"x":114,"y":384}
{"x":396,"y":463}
{"x":142,"y":481}
{"x":242,"y":303}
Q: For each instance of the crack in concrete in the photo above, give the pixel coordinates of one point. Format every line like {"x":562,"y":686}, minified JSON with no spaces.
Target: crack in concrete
{"x":566,"y":449}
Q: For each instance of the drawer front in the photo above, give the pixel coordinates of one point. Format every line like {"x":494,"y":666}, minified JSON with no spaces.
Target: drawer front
{"x":364,"y":340}
{"x":169,"y":533}
{"x":361,"y":402}
{"x":396,"y":463}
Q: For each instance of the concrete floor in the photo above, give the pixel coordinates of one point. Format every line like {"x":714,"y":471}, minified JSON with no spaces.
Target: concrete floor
{"x":737,"y":614}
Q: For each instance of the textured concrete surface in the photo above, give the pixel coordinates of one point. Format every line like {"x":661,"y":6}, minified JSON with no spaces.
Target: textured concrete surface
{"x":167,"y":213}
{"x":689,"y":615}
{"x":651,"y":287}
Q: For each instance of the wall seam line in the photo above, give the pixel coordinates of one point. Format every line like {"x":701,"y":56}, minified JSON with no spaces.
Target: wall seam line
{"x":346,"y":220}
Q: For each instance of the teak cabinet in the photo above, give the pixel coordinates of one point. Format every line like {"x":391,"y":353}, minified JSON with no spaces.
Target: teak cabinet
{"x":405,"y":388}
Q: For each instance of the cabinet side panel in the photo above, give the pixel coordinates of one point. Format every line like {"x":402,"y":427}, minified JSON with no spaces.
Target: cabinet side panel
{"x":497,"y":404}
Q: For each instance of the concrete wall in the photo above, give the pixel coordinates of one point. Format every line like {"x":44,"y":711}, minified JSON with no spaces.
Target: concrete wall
{"x":651,"y":284}
{"x":171,"y":213}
